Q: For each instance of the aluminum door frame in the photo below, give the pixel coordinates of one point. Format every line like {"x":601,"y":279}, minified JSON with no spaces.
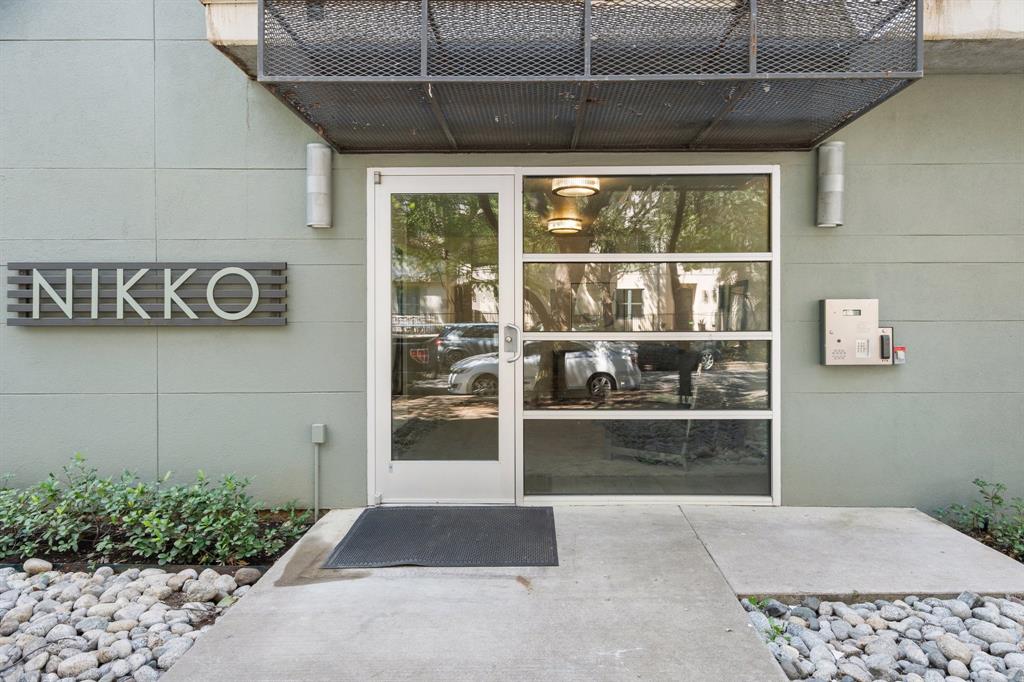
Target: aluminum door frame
{"x":773,"y":171}
{"x":435,"y":481}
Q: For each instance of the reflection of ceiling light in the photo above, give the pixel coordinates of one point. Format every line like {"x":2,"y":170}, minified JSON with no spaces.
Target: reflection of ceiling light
{"x":565,"y":225}
{"x":575,"y":187}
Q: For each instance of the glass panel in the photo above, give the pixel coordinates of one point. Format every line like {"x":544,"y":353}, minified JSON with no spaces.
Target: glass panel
{"x":647,"y":457}
{"x":646,"y":375}
{"x":646,"y":296}
{"x":647,"y":214}
{"x":444,"y":331}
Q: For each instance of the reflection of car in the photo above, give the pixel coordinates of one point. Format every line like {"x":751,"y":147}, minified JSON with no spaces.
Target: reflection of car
{"x":665,"y":356}
{"x":594,"y":368}
{"x":461,"y":340}
{"x":411,"y":355}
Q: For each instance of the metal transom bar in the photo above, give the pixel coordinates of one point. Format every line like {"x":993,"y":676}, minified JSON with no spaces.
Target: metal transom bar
{"x":501,"y":75}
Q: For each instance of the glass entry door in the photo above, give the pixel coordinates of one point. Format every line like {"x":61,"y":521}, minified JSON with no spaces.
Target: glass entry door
{"x":444,"y":432}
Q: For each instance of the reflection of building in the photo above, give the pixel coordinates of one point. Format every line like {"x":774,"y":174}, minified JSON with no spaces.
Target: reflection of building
{"x":418,"y":299}
{"x":643,"y":297}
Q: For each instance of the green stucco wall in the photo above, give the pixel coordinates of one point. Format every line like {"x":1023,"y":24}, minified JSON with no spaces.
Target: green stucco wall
{"x":125,"y":135}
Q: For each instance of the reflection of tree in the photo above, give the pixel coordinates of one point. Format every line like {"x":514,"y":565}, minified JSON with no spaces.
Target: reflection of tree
{"x":446,"y":239}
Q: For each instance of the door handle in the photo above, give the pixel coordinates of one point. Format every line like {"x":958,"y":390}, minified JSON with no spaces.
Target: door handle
{"x":512,"y":341}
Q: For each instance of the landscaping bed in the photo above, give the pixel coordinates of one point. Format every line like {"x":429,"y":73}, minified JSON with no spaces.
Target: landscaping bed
{"x":80,"y":517}
{"x":127,"y":625}
{"x":992,"y":519}
{"x":193,"y":548}
{"x":913,"y":639}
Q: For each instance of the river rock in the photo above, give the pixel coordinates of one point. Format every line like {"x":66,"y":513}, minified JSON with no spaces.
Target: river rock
{"x":36,"y":566}
{"x":77,"y":664}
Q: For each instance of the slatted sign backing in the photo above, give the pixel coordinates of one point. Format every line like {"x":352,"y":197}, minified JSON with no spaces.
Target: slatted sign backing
{"x":147,"y":294}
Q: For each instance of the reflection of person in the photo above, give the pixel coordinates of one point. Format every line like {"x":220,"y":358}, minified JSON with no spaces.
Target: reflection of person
{"x":688,"y":362}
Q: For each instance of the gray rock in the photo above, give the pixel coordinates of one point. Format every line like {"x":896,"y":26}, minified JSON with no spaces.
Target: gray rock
{"x":77,"y":664}
{"x":1012,"y":610}
{"x":810,"y":602}
{"x":760,"y":623}
{"x":991,"y":676}
{"x":912,"y":652}
{"x":824,"y":670}
{"x":933,"y":675}
{"x":103,"y":610}
{"x":881,"y":665}
{"x":122,"y":648}
{"x":145,"y":674}
{"x":119,"y":668}
{"x":130,"y":612}
{"x":991,"y":633}
{"x":954,"y":649}
{"x":855,"y":672}
{"x":37,"y":662}
{"x":772,"y":607}
{"x":956,"y":668}
{"x":208,"y":575}
{"x":173,"y":650}
{"x":1002,"y":648}
{"x":822,"y":653}
{"x":952,"y":624}
{"x":841,"y":629}
{"x":988,"y":614}
{"x":36,"y":566}
{"x":848,"y":614}
{"x":893,"y":613}
{"x":958,"y":608}
{"x":880,"y":646}
{"x":203,"y":591}
{"x":970,"y":598}
{"x":61,"y":631}
{"x":40,"y":626}
{"x":1012,"y":660}
{"x":91,"y":623}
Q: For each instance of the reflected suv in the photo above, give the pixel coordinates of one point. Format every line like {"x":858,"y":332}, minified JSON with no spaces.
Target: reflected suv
{"x":461,"y":340}
{"x":595,"y":368}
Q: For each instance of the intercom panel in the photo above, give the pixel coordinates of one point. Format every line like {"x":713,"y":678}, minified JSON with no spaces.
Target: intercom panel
{"x":850,"y":334}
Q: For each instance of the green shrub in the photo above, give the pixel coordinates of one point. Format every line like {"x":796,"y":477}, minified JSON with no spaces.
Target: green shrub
{"x":126,"y":519}
{"x":992,"y":519}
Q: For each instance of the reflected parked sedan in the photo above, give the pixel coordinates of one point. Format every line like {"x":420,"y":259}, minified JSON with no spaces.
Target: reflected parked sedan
{"x":594,"y":368}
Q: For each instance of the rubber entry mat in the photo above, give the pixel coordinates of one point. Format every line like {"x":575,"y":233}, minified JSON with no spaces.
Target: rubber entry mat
{"x":448,"y":536}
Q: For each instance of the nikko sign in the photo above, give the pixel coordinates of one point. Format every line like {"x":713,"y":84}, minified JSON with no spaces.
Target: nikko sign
{"x":146,"y":294}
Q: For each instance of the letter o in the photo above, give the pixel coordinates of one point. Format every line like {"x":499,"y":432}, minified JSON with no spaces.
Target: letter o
{"x":244,"y":274}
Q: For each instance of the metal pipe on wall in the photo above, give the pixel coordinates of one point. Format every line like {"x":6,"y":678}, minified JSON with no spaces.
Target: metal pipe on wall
{"x":318,"y":185}
{"x":831,"y":180}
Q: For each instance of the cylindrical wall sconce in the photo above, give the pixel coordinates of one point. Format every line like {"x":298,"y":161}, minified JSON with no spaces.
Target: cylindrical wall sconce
{"x":318,"y":185}
{"x":830,"y":184}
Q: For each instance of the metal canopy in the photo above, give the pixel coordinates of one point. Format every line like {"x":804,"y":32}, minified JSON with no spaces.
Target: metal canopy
{"x":588,"y":75}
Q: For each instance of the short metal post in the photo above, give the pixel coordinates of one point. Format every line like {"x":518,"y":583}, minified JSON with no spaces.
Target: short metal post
{"x":318,"y":435}
{"x":316,"y":482}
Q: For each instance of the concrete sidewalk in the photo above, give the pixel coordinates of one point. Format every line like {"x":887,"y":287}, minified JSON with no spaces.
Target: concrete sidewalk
{"x":641,"y":593}
{"x":841,"y":552}
{"x":636,"y":597}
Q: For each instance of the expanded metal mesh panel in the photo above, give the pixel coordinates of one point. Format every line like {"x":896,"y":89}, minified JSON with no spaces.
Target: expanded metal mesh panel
{"x":836,"y":36}
{"x":474,"y":75}
{"x":649,"y":37}
{"x":508,"y":38}
{"x":355,"y":38}
{"x":795,"y":110}
{"x":520,"y":115}
{"x":368,"y":116}
{"x":652,"y":115}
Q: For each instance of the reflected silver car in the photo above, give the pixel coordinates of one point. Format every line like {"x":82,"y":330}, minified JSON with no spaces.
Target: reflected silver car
{"x":596,"y":368}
